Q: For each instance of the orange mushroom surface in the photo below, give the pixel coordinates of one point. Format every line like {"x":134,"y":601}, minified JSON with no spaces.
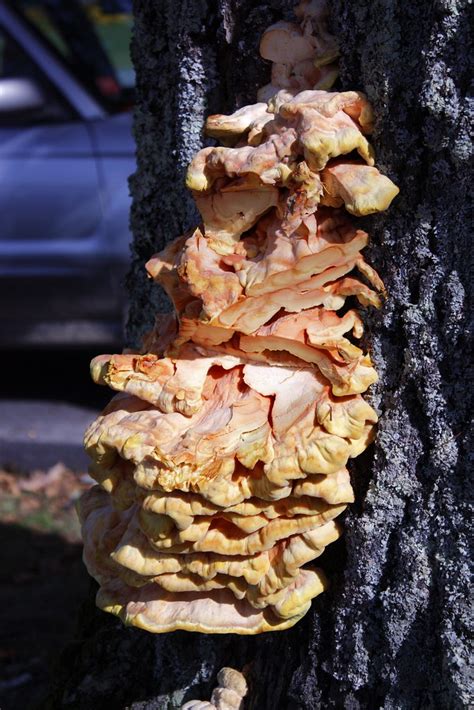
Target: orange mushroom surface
{"x":221,"y":461}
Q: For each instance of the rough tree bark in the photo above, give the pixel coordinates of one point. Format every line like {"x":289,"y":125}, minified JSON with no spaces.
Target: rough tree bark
{"x":392,"y":631}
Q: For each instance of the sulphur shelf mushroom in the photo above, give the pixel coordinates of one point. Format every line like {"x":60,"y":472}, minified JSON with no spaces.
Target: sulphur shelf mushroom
{"x":221,"y":462}
{"x":229,"y":694}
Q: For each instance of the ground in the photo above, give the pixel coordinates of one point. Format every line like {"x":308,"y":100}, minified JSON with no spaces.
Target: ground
{"x":42,"y":579}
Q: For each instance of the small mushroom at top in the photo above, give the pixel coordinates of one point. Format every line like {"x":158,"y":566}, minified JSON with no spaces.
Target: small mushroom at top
{"x":285,"y":43}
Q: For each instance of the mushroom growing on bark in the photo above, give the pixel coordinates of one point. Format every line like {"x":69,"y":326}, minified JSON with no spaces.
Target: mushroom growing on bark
{"x":221,"y":462}
{"x":229,"y":694}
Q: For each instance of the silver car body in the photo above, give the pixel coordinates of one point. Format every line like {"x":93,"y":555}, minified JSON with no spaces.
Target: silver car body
{"x":64,"y":206}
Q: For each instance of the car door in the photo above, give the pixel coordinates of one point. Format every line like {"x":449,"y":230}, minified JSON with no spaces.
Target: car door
{"x":50,"y":211}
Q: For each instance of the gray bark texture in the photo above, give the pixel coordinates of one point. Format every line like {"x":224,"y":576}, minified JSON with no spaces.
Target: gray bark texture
{"x":392,"y":632}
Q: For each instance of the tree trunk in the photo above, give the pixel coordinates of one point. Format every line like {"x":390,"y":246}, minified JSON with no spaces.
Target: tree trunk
{"x":392,"y":630}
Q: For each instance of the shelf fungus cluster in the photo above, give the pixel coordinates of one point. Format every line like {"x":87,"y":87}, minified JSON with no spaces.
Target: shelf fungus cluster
{"x":221,"y":462}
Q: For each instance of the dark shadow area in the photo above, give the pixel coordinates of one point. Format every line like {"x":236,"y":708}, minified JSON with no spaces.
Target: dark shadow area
{"x":46,"y":403}
{"x":46,"y":374}
{"x":42,"y":584}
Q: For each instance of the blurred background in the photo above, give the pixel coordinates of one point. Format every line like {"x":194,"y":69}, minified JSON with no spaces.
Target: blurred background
{"x":66,"y":152}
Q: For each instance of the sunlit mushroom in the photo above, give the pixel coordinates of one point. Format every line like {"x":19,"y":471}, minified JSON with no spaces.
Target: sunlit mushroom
{"x":221,"y":462}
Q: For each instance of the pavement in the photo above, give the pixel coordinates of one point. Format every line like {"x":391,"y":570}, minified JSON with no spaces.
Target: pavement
{"x":38,"y":434}
{"x":47,"y":402}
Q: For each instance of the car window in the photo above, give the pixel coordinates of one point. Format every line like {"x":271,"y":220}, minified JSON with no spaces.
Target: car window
{"x":26,"y":96}
{"x":93,"y":37}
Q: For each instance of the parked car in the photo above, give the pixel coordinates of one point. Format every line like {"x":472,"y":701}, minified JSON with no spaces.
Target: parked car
{"x":66,"y":151}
